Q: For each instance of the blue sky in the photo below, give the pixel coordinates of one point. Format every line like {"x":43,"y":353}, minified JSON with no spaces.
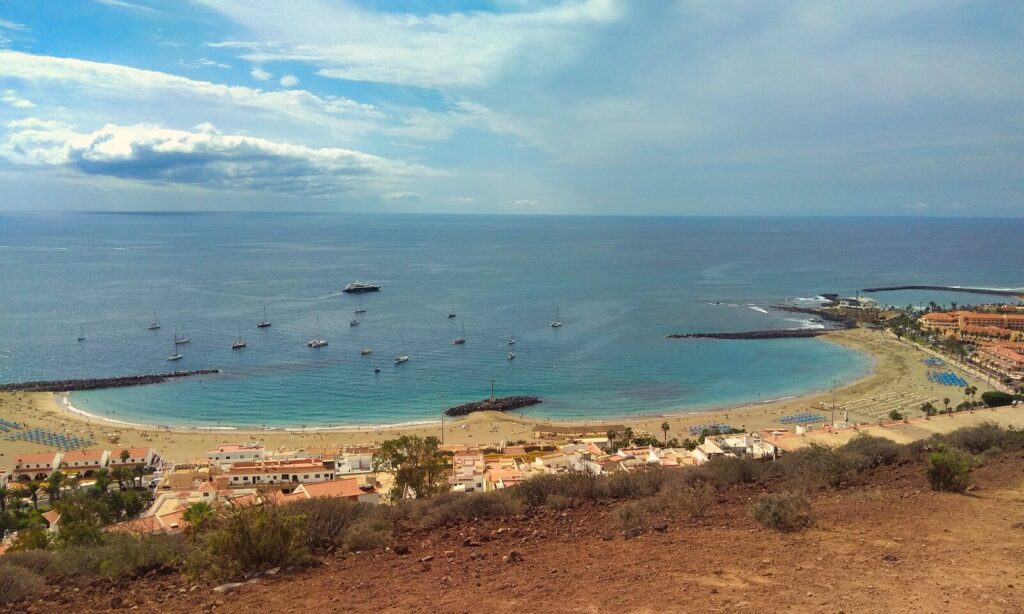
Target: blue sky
{"x":513,"y":106}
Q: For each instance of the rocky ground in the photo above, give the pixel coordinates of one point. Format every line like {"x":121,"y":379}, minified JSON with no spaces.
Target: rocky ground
{"x":888,"y":544}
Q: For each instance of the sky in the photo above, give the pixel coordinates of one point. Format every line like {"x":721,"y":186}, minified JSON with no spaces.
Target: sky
{"x":647,"y":107}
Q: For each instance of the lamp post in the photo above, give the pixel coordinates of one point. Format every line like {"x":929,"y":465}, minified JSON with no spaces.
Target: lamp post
{"x":833,"y":403}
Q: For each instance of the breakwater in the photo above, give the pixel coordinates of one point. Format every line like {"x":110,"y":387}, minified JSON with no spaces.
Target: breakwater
{"x":834,"y":321}
{"x":73,"y":385}
{"x":502,"y":404}
{"x":990,"y":291}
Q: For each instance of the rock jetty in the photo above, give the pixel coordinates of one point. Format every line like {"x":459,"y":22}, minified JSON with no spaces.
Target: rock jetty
{"x":502,"y":404}
{"x":72,"y":385}
{"x":834,"y":322}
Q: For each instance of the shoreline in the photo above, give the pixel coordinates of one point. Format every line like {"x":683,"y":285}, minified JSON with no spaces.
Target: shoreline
{"x":832,"y":336}
{"x":893,"y":367}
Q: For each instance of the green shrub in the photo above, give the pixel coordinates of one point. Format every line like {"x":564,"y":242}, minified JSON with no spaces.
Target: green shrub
{"x":866,"y":452}
{"x":328,"y":520}
{"x":241,"y":539}
{"x":119,"y":556}
{"x":17,"y":583}
{"x":786,"y":512}
{"x":815,"y":466}
{"x":996,"y":398}
{"x":948,"y":470}
{"x":454,"y":507}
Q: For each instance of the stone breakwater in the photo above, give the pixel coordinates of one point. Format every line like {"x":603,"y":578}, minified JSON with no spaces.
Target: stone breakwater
{"x":502,"y":404}
{"x":834,"y":321}
{"x":72,"y":385}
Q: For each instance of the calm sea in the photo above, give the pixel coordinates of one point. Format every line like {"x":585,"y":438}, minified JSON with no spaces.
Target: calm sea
{"x":618,"y":284}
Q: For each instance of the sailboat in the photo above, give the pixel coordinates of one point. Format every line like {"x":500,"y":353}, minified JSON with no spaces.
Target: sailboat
{"x":376,"y":369}
{"x":317,"y":342}
{"x":511,"y":339}
{"x":264,"y":323}
{"x":511,"y":355}
{"x":360,"y":309}
{"x":183,"y":339}
{"x":556,"y":323}
{"x":462,"y":338}
{"x":174,"y":353}
{"x":402,"y":357}
{"x":156,"y":322}
{"x":451,"y":312}
{"x":81,"y":333}
{"x":353,"y":322}
{"x":237,"y":345}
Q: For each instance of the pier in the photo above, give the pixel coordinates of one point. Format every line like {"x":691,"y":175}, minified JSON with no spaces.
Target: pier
{"x":72,"y":385}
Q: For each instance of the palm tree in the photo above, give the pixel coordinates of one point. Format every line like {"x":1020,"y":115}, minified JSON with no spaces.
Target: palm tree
{"x":33,"y":489}
{"x":628,"y":436}
{"x":928,"y":409}
{"x":4,"y":493}
{"x":945,"y":402}
{"x":54,"y":484}
{"x":198,"y":513}
{"x":665,"y":428}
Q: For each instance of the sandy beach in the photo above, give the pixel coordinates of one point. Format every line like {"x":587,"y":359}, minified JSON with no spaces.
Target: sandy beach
{"x":898,"y":379}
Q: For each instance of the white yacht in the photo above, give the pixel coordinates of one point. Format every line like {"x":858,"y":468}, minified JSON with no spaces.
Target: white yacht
{"x":156,"y":322}
{"x":556,"y":323}
{"x":366,"y":351}
{"x":183,"y":339}
{"x":318,"y":341}
{"x":511,"y":355}
{"x":461,"y":338}
{"x":264,"y":323}
{"x":174,"y":353}
{"x":237,"y":345}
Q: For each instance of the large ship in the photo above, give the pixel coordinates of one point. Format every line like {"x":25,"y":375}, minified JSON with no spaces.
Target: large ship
{"x":358,"y":286}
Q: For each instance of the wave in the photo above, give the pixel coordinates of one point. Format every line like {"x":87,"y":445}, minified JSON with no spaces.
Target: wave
{"x":756,"y":308}
{"x":808,"y":323}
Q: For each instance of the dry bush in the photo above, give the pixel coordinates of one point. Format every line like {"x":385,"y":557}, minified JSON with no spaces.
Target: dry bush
{"x":785,"y":512}
{"x":577,"y":485}
{"x":691,"y":500}
{"x":637,"y":484}
{"x":455,"y":507}
{"x":724,"y":471}
{"x":948,"y":470}
{"x":241,"y":539}
{"x":815,"y":466}
{"x":17,"y":583}
{"x":866,"y":452}
{"x":328,"y":521}
{"x":634,"y":517}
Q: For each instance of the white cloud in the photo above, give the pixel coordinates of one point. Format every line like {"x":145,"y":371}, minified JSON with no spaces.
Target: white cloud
{"x":462,"y":200}
{"x":203,"y":157}
{"x":259,"y":74}
{"x":131,"y":6}
{"x":289,"y":81}
{"x":11,"y":97}
{"x":526,"y":202}
{"x":130,"y":89}
{"x":202,"y":63}
{"x":452,"y":50}
{"x":403,"y":196}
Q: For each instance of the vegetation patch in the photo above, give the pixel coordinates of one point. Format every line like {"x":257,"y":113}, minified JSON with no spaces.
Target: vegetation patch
{"x":785,"y":512}
{"x":17,"y":583}
{"x":948,"y":470}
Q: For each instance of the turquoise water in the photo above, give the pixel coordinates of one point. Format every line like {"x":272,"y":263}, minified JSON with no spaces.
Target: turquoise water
{"x":619,"y":285}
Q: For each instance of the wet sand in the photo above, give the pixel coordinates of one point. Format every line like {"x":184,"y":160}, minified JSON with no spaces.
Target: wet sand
{"x":897,"y":369}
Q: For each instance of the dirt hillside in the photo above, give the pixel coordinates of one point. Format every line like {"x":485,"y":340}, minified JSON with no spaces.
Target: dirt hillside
{"x":888,"y":544}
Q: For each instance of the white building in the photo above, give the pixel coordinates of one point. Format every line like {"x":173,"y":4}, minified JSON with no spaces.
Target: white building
{"x":233,"y":453}
{"x":294,"y":471}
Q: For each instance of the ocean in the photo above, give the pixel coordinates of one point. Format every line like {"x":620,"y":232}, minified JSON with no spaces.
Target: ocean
{"x":619,"y":285}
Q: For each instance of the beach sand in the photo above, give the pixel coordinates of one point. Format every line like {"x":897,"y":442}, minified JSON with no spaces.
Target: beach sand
{"x":897,"y":369}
